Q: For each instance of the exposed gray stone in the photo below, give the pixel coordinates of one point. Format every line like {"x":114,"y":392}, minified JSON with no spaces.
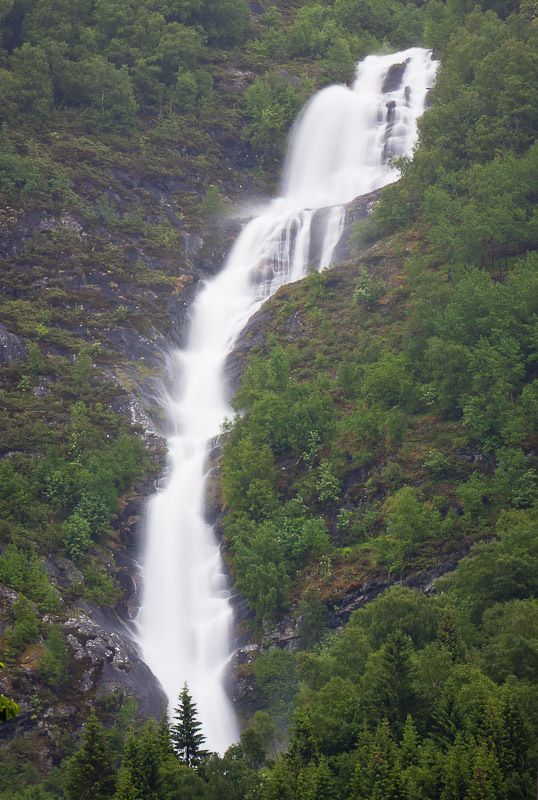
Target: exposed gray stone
{"x":11,"y":347}
{"x":97,"y":634}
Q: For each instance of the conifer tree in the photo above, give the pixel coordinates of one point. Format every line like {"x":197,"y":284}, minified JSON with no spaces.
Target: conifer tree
{"x":279,"y":783}
{"x":396,"y":692}
{"x":487,"y":782}
{"x":185,"y":733}
{"x":139,"y":774}
{"x":513,"y":756}
{"x":409,"y":746}
{"x":457,"y":769}
{"x":445,"y":718}
{"x":450,"y":636}
{"x":377,"y":774}
{"x":165,"y":741}
{"x":304,"y":746}
{"x":305,"y":785}
{"x":325,"y":783}
{"x":90,"y":772}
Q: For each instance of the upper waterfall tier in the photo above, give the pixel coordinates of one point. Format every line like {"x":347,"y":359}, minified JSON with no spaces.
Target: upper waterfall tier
{"x":342,"y":142}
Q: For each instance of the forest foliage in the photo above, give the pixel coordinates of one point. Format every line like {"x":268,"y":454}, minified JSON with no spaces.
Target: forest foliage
{"x":456,"y":357}
{"x":406,"y":438}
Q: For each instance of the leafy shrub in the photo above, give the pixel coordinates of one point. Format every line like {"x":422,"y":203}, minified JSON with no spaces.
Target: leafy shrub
{"x":271,"y":106}
{"x":76,"y":535}
{"x":56,"y":658}
{"x":26,"y":573}
{"x":25,"y":629}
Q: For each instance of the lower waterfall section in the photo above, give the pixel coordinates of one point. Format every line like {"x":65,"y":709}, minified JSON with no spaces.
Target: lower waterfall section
{"x":340,"y":148}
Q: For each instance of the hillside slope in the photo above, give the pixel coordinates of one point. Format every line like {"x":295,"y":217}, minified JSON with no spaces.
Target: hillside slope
{"x":390,"y":408}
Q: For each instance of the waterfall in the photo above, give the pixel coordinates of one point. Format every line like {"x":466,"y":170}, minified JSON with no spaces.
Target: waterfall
{"x":339,"y":148}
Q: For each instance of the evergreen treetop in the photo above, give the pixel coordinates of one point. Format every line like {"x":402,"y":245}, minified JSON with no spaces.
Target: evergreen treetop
{"x":185,"y":731}
{"x":90,"y":772}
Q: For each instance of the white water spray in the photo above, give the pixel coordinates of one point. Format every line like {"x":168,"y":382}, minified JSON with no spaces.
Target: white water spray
{"x":340,"y":148}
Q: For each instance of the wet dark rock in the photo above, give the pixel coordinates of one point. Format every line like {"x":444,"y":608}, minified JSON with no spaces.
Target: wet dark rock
{"x":192,"y":244}
{"x":213,"y":498}
{"x":388,"y":148}
{"x":359,"y":597}
{"x":65,"y":221}
{"x":63,"y":572}
{"x":360,"y":208}
{"x":11,"y":347}
{"x":130,"y":526}
{"x":16,"y":227}
{"x":242,"y":614}
{"x":252,"y":336}
{"x":42,"y":387}
{"x":233,"y":81}
{"x":244,"y":684}
{"x":134,"y":346}
{"x":256,"y":9}
{"x":216,"y":244}
{"x":179,"y":310}
{"x":285,"y":635}
{"x":394,"y":77}
{"x":13,"y":726}
{"x":100,"y":637}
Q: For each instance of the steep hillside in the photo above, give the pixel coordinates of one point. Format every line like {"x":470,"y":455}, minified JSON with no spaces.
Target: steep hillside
{"x":390,"y":426}
{"x":390,"y":404}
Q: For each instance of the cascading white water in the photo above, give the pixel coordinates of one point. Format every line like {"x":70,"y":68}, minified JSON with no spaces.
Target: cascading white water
{"x":340,"y":148}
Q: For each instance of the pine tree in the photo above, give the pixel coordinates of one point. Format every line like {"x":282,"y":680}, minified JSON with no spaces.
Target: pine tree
{"x":446,"y":723}
{"x":410,"y":744}
{"x":487,"y":782}
{"x":304,"y":746}
{"x":383,"y":767}
{"x":377,"y":774}
{"x":513,"y":757}
{"x":90,"y":772}
{"x":305,"y":786}
{"x":165,"y":741}
{"x":139,"y":774}
{"x":325,"y":783}
{"x":396,"y":693}
{"x":457,"y":769}
{"x":450,"y":636}
{"x":186,"y":732}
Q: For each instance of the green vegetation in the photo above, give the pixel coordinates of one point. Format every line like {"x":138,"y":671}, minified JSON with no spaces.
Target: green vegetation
{"x":185,"y":733}
{"x":464,"y":372}
{"x":108,"y":60}
{"x":402,"y":423}
{"x":392,"y":439}
{"x":90,"y":773}
{"x":55,"y":661}
{"x":70,"y":493}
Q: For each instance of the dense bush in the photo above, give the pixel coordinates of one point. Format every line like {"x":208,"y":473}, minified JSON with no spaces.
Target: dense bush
{"x":110,"y":58}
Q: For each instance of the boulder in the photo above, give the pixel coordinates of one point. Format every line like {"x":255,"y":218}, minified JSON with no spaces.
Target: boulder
{"x":11,"y":347}
{"x":394,"y":77}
